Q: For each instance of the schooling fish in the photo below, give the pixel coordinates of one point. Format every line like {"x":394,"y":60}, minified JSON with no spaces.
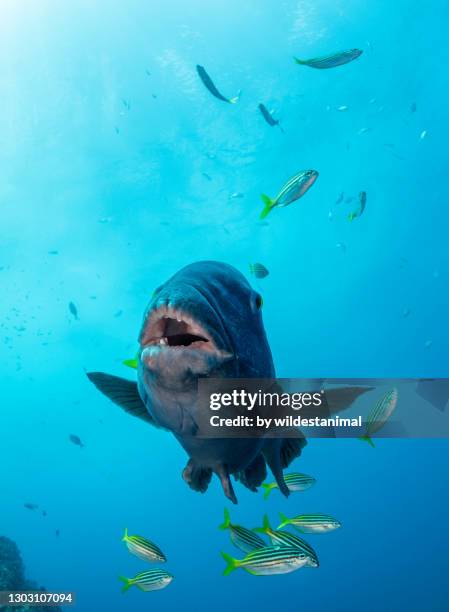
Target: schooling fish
{"x":267,"y":561}
{"x":360,"y":209}
{"x":151,"y":580}
{"x":259,"y":270}
{"x":310,"y":523}
{"x":73,"y":310}
{"x":209,"y":84}
{"x":243,"y":538}
{"x":74,"y":439}
{"x":294,"y":482}
{"x":331,"y":61}
{"x":206,"y":321}
{"x":291,"y":191}
{"x":380,"y":415}
{"x":31,"y":506}
{"x":143,"y":548}
{"x":340,"y":198}
{"x":269,"y":117}
{"x":284,"y":538}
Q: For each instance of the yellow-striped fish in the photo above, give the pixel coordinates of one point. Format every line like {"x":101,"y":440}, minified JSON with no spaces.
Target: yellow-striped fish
{"x":243,"y":538}
{"x":151,"y":580}
{"x":294,"y":482}
{"x":310,"y":523}
{"x":380,"y":414}
{"x":143,"y":548}
{"x":331,"y":61}
{"x":284,"y":538}
{"x":291,"y":191}
{"x":268,"y":561}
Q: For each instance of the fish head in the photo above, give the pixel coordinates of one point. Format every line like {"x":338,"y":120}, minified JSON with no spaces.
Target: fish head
{"x":205,"y":321}
{"x":308,"y":179}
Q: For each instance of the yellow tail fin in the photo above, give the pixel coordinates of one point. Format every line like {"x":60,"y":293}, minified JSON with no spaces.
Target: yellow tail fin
{"x":126,"y":583}
{"x":227,"y":520}
{"x":232,"y":563}
{"x":269,"y":203}
{"x":366,"y":438}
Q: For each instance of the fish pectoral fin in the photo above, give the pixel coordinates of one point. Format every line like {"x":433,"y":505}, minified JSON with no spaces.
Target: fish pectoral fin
{"x":223,"y":474}
{"x":122,"y":392}
{"x":291,"y":448}
{"x":336,"y":400}
{"x":197,"y":477}
{"x":254,"y":474}
{"x":272,"y":454}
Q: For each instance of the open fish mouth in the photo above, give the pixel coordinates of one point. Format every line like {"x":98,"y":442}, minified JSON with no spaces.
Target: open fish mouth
{"x":174,"y":328}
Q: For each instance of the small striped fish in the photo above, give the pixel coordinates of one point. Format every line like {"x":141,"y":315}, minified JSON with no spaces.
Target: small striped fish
{"x":362,"y":205}
{"x":310,"y":523}
{"x":294,"y":482}
{"x":331,"y":61}
{"x":143,"y":548}
{"x":243,"y":538}
{"x":284,"y":538}
{"x":267,"y":561}
{"x":259,"y":270}
{"x":151,"y":580}
{"x":291,"y":191}
{"x":380,"y":414}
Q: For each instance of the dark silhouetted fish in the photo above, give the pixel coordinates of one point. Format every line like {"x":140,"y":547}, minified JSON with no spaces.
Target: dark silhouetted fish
{"x":73,"y":310}
{"x":209,"y":84}
{"x":360,"y":210}
{"x":339,"y":200}
{"x":29,"y":506}
{"x":331,"y":61}
{"x":76,"y":440}
{"x":269,"y":117}
{"x":206,"y":321}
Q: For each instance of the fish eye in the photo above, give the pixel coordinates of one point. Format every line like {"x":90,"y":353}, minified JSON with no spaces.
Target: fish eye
{"x":259,"y":301}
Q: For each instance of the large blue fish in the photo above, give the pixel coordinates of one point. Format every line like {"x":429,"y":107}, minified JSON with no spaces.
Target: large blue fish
{"x":205,"y":321}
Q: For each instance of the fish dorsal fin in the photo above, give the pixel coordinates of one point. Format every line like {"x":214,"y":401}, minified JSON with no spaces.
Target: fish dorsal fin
{"x":123,"y":393}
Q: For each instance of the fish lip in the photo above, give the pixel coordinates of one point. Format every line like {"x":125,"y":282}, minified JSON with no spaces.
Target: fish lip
{"x":154,"y":330}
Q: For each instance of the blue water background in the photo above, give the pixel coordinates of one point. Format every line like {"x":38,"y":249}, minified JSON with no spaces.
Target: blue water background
{"x":120,"y":193}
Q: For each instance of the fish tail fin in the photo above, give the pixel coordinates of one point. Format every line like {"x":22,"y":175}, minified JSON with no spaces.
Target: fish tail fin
{"x":299,"y":61}
{"x":227,"y":520}
{"x":236,"y":98}
{"x":284,"y":520}
{"x":366,"y":438}
{"x":232,"y":563}
{"x":125,"y":535}
{"x":266,"y":523}
{"x":266,"y":528}
{"x":268,"y":205}
{"x":268,"y":488}
{"x":281,"y":128}
{"x":130,"y":363}
{"x":127,"y":582}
